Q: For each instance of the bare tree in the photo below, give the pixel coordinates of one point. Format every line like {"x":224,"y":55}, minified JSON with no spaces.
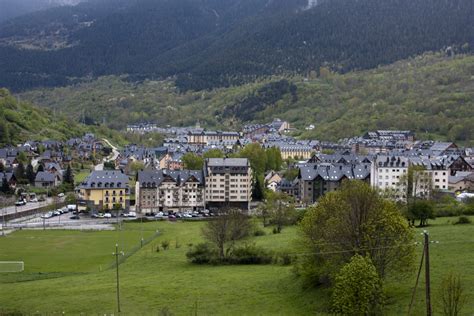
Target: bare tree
{"x":451,"y":295}
{"x":230,"y":226}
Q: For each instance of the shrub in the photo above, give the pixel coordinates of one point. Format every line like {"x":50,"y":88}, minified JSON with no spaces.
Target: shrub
{"x":259,"y":232}
{"x":249,"y":253}
{"x":205,"y":253}
{"x":202,"y":253}
{"x":165,"y":244}
{"x":358,"y":288}
{"x":285,"y":259}
{"x":463,"y":220}
{"x":275,"y":231}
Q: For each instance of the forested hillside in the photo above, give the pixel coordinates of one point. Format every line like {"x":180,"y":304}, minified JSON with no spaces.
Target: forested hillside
{"x":220,"y":43}
{"x":20,"y":121}
{"x":432,"y":94}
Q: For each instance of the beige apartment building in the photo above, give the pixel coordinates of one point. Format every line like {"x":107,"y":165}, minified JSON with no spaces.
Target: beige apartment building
{"x":228,"y":182}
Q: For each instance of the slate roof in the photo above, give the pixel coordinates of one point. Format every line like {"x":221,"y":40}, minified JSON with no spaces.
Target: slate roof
{"x":154,"y":178}
{"x":333,"y":171}
{"x":44,"y":176}
{"x":461,"y":176}
{"x":227,"y":165}
{"x":105,"y":179}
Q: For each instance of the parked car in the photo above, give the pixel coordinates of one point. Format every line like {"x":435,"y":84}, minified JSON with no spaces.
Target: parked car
{"x":41,"y":199}
{"x":47,"y":215}
{"x":159,"y":215}
{"x":56,"y":213}
{"x":35,"y":200}
{"x":74,"y":217}
{"x":107,"y":215}
{"x":132,"y":214}
{"x":20,"y":203}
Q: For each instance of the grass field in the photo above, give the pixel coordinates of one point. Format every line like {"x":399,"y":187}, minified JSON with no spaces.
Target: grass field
{"x":152,"y":281}
{"x":81,"y":175}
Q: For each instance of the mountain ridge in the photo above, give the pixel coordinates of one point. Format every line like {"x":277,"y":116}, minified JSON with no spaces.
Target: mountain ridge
{"x":209,"y":43}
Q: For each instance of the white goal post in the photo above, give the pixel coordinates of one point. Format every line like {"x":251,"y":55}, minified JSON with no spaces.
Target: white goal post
{"x":11,"y":266}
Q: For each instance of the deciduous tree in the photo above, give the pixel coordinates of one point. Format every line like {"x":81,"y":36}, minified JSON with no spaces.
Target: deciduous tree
{"x":355,"y":220}
{"x":230,"y":226}
{"x":192,"y":161}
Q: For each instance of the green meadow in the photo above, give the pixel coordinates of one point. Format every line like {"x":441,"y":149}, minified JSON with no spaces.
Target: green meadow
{"x":72,"y":272}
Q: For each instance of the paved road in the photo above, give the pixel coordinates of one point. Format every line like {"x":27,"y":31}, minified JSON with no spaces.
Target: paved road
{"x":27,"y":207}
{"x":115,"y":153}
{"x":64,"y":222}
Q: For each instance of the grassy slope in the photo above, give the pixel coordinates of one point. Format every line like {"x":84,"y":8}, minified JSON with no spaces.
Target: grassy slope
{"x":151,"y":281}
{"x":431,"y":94}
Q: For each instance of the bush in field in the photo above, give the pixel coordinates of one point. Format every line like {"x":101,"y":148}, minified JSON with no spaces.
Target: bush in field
{"x":202,"y":253}
{"x":248,"y":253}
{"x":463,"y":220}
{"x":358,"y":288}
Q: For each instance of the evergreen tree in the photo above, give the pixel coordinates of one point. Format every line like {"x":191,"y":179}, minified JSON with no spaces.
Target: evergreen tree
{"x":257,"y":193}
{"x":40,"y":168}
{"x":20,"y":172}
{"x":5,"y":187}
{"x":2,"y":167}
{"x":30,"y":173}
{"x":69,"y":176}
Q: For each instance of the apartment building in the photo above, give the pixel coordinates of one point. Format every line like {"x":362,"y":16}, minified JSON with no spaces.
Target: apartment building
{"x":204,"y":138}
{"x":390,"y":173}
{"x":165,"y":190}
{"x":317,"y":179}
{"x":228,"y":182}
{"x":103,"y":190}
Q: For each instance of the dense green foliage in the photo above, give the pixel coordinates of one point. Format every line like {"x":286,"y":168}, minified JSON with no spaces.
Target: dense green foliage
{"x":357,"y":289}
{"x":218,"y":43}
{"x":354,"y":220}
{"x":21,"y":121}
{"x":247,"y":253}
{"x":431,"y":94}
{"x":421,"y":210}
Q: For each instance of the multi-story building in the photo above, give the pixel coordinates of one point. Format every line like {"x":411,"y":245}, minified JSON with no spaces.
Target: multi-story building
{"x":104,"y":190}
{"x":317,"y":179}
{"x":203,"y":138}
{"x":391,"y":173}
{"x":228,"y":182}
{"x":164,"y":190}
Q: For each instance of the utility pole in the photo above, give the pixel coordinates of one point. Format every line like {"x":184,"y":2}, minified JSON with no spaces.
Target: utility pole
{"x":116,"y":254}
{"x":427,"y":274}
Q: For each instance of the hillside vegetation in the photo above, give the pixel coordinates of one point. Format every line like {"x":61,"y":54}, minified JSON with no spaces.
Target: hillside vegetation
{"x":21,"y":121}
{"x":430,"y":94}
